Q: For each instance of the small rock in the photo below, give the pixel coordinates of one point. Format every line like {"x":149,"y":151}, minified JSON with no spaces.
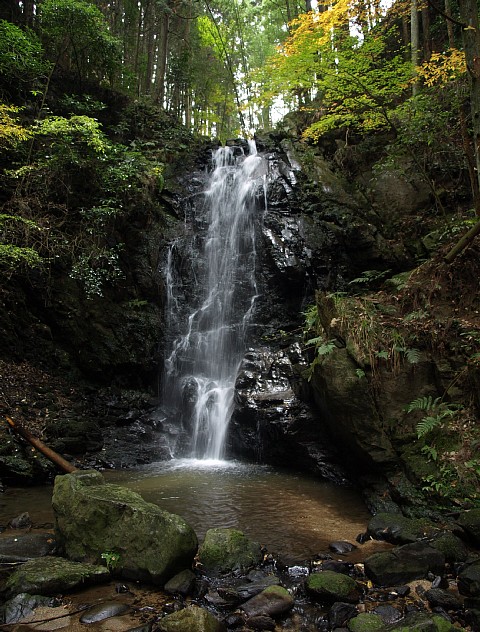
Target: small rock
{"x":273,"y":601}
{"x":340,"y":613}
{"x":103,"y":611}
{"x":443,"y":598}
{"x":260,"y":622}
{"x":389,"y":613}
{"x":191,"y":619}
{"x":469,"y":580}
{"x":22,"y":521}
{"x":21,"y":606}
{"x":398,"y":529}
{"x":182,"y":584}
{"x":404,"y":564}
{"x":341,"y":547}
{"x":337,"y":567}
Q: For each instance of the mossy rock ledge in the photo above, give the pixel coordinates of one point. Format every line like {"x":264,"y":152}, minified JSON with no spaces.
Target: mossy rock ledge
{"x":94,"y":518}
{"x":53,"y":575}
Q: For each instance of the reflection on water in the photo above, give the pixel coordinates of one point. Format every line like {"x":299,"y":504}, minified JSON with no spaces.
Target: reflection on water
{"x":291,"y":514}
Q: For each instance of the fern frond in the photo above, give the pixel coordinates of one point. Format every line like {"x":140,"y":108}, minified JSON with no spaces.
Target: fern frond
{"x":315,"y":341}
{"x":412,"y":355}
{"x":326,"y":348}
{"x":427,"y":424}
{"x":423,"y":403}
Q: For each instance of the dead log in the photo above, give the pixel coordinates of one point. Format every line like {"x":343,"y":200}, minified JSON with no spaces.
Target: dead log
{"x":463,"y":242}
{"x":53,"y":456}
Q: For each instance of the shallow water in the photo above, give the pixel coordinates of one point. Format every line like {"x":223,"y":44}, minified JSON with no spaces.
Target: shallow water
{"x":293,"y":515}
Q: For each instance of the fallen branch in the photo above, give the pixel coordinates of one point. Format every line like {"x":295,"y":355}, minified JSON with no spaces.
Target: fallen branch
{"x":463,"y":242}
{"x":53,"y":456}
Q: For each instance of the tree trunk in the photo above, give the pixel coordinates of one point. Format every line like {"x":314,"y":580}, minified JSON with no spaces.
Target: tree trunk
{"x":414,"y":42}
{"x":161,"y":60}
{"x":448,"y":13}
{"x":427,"y":42}
{"x":471,"y":39}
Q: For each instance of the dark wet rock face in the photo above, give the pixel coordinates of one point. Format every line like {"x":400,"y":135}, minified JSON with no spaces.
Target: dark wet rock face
{"x":271,"y":423}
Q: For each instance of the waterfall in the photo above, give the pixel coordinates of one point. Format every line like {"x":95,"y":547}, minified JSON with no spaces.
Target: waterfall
{"x":201,"y":370}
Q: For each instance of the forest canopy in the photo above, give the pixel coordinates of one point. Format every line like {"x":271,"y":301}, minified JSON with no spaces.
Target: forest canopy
{"x":222,"y":68}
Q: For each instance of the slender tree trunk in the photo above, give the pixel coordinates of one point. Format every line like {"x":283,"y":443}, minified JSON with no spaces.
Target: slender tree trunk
{"x":414,"y":41}
{"x":448,"y":13}
{"x":471,"y":39}
{"x":162,"y":60}
{"x":427,"y":42}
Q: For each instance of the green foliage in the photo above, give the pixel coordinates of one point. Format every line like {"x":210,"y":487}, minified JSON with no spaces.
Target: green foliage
{"x":21,"y":55}
{"x":12,"y":133}
{"x":77,"y":37}
{"x":13,"y":229}
{"x":440,"y":412}
{"x":13,"y":257}
{"x":84,"y":104}
{"x":423,"y":403}
{"x":95,"y":267}
{"x":370,"y":277}
{"x":112,"y":560}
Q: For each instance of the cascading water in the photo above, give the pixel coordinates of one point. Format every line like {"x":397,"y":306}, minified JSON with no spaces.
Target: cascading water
{"x":203,"y":364}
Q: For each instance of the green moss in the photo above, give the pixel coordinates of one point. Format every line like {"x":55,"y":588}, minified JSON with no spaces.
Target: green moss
{"x":225,"y":550}
{"x":366,"y":622}
{"x":330,"y":585}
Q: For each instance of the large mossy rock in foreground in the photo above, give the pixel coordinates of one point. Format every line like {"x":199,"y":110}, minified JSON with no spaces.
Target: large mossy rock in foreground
{"x":226,"y":550}
{"x":93,"y":517}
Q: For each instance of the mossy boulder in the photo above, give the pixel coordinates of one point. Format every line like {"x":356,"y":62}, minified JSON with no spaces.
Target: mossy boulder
{"x":191,"y":619}
{"x":226,"y":550}
{"x":94,"y":518}
{"x":398,"y":529}
{"x":53,"y":575}
{"x":328,"y":586}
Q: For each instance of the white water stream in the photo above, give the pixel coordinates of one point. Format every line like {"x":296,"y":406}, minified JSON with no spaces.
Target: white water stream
{"x":202,"y":367}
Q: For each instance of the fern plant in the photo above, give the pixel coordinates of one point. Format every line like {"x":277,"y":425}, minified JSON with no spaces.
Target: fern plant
{"x":439,"y":410}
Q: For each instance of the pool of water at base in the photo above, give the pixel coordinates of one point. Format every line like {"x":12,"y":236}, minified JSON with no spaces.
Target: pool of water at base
{"x":293,"y":515}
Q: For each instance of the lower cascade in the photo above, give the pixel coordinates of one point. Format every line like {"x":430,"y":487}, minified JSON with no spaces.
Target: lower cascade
{"x":212,"y":326}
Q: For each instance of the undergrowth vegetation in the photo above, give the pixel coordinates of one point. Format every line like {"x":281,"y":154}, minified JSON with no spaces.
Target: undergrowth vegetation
{"x":428,"y":317}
